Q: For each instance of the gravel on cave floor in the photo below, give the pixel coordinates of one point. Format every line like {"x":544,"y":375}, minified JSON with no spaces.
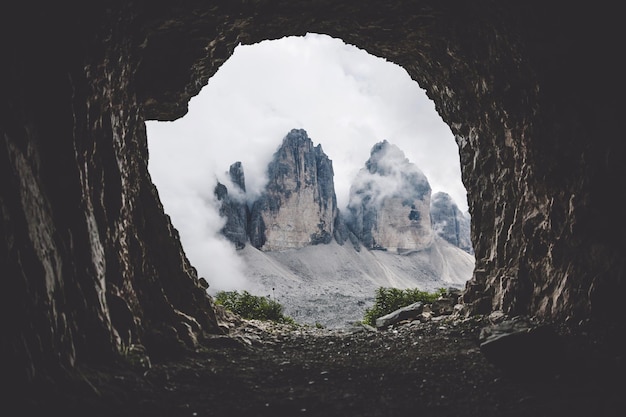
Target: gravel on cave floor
{"x":417,"y":369}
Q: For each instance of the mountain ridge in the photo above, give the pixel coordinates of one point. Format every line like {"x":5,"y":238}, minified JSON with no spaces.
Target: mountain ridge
{"x":298,"y":207}
{"x":327,"y":264}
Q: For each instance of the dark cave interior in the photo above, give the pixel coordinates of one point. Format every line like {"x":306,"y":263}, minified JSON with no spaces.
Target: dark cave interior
{"x":91,"y":263}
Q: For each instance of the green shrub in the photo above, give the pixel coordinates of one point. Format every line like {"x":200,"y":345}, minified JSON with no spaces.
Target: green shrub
{"x":251,"y":306}
{"x":390,"y":299}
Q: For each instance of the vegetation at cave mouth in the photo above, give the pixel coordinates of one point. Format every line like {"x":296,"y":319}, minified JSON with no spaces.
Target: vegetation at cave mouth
{"x":253,"y":307}
{"x":389,"y":300}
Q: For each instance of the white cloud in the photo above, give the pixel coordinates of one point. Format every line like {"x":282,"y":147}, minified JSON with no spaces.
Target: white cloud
{"x":346,"y":100}
{"x":388,"y":174}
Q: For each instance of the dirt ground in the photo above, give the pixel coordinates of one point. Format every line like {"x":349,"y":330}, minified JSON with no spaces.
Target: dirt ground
{"x":417,"y":369}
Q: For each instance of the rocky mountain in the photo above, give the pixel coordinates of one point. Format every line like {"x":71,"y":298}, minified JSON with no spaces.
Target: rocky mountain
{"x":299,"y":206}
{"x":389,"y":206}
{"x":234,"y":207}
{"x":324,"y":265}
{"x":450,"y":222}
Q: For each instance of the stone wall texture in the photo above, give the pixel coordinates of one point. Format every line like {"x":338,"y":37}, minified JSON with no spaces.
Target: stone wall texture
{"x":89,"y":262}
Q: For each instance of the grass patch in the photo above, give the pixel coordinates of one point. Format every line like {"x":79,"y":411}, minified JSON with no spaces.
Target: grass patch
{"x":390,"y":299}
{"x":253,"y":307}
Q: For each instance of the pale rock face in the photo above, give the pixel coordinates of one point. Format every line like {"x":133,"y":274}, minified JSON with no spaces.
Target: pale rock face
{"x":398,"y":230}
{"x":299,"y":222}
{"x":390,"y":203}
{"x":299,"y":205}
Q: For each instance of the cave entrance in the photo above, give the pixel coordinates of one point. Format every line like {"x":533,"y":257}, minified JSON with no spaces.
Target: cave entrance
{"x":347,"y":101}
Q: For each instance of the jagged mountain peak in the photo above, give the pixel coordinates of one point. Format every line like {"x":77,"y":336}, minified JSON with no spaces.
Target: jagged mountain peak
{"x":236,"y":213}
{"x":299,"y":205}
{"x":449,"y":222}
{"x":299,"y":139}
{"x":297,"y":136}
{"x":442,"y":198}
{"x":389,"y":172}
{"x":383,"y":155}
{"x":389,"y":205}
{"x":237,"y":176}
{"x":389,"y":208}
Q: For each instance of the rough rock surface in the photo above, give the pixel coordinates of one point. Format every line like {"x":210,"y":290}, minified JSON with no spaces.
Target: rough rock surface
{"x":299,"y":206}
{"x":263,"y":369}
{"x":81,"y":224}
{"x":235,"y":171}
{"x":449,"y":222}
{"x":234,"y":208}
{"x":390,"y":203}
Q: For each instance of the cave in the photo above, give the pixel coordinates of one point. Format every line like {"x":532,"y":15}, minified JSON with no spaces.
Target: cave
{"x":90,"y":262}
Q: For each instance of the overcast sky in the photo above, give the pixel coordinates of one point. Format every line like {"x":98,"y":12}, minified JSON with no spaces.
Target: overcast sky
{"x":346,"y":100}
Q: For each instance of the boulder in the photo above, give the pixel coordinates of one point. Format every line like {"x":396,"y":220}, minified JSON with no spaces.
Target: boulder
{"x":443,"y":306}
{"x":410,"y":312}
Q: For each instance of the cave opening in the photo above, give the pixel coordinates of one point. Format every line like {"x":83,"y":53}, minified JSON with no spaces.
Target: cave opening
{"x":539,"y":159}
{"x":345,"y":100}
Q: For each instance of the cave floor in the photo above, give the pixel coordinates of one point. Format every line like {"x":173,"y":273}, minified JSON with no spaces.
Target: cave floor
{"x":433,"y":369}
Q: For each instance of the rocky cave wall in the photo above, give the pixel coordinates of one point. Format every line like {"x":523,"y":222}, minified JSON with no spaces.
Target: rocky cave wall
{"x":89,"y":261}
